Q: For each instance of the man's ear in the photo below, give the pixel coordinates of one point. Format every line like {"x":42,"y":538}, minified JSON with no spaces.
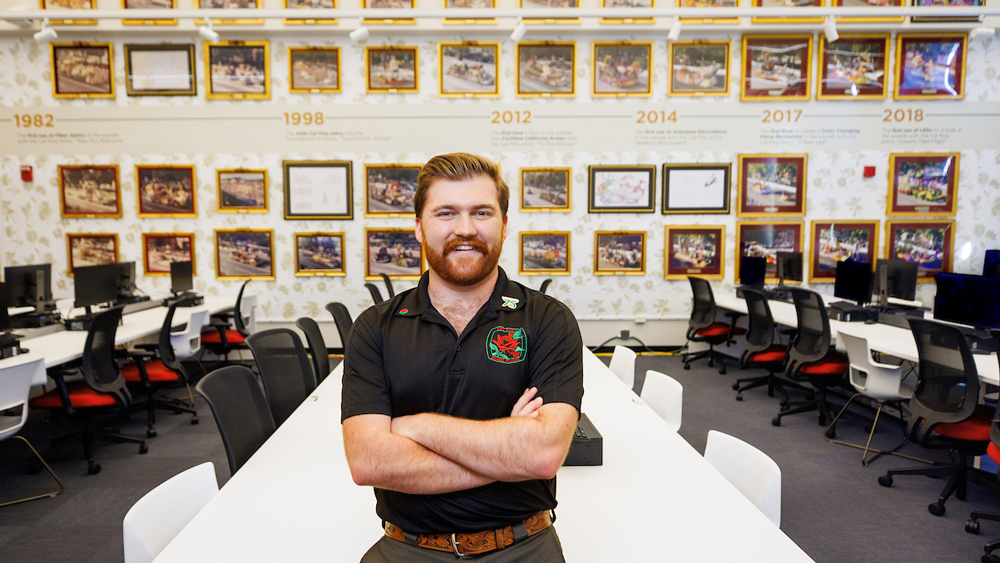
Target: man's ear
{"x":419,"y":233}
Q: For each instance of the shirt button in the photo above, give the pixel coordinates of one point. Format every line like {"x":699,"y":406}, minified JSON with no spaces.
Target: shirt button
{"x":458,"y":348}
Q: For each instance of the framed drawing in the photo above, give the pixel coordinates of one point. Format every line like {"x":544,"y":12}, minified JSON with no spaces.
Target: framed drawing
{"x":91,"y":249}
{"x":621,"y":189}
{"x":766,"y":240}
{"x":772,"y":185}
{"x":82,"y":70}
{"x":853,"y":68}
{"x":544,"y":252}
{"x":783,"y":4}
{"x":923,"y":184}
{"x":69,"y":5}
{"x":389,"y":189}
{"x":695,"y":250}
{"x":319,"y":254}
{"x":836,"y":241}
{"x":244,"y":254}
{"x":621,"y":69}
{"x":160,"y":70}
{"x":930,"y":244}
{"x":392,"y":70}
{"x":468,"y":70}
{"x":238,"y":70}
{"x":160,"y":250}
{"x":549,"y":4}
{"x":401,"y":5}
{"x":776,"y":67}
{"x":166,"y":190}
{"x":235,"y":5}
{"x":619,"y":253}
{"x":874,"y":6}
{"x":241,"y":191}
{"x":709,"y":4}
{"x":458,"y":5}
{"x":696,"y":188}
{"x":314,"y":70}
{"x":90,"y":190}
{"x":956,"y":3}
{"x":546,"y":69}
{"x":930,"y":66}
{"x":311,"y":5}
{"x":318,"y":189}
{"x":699,"y":68}
{"x":628,"y":4}
{"x":149,"y":5}
{"x":394,"y":252}
{"x":546,"y":189}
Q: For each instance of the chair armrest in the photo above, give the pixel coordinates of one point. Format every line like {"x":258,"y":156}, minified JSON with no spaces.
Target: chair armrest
{"x":58,"y":375}
{"x":148,"y":347}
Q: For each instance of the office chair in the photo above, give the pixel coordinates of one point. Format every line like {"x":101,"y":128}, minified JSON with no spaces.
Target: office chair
{"x":702,"y":326}
{"x":944,"y":409}
{"x":760,"y":350}
{"x":240,"y":409}
{"x":665,"y":395}
{"x":342,"y":318}
{"x":993,"y":451}
{"x":811,"y":359}
{"x":750,"y":470}
{"x":545,"y":285}
{"x":623,"y":365}
{"x":388,"y":284}
{"x":373,"y":290}
{"x":103,"y":390}
{"x":284,"y":368}
{"x":229,"y":329}
{"x":317,"y":347}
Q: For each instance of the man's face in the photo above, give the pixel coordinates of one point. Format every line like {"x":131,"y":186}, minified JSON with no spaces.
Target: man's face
{"x":462,"y":230}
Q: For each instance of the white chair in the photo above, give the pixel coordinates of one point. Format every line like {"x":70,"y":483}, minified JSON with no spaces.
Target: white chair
{"x":15,"y":385}
{"x":665,"y":395}
{"x":188,"y":342}
{"x":163,"y":512}
{"x":883,"y":383}
{"x":750,"y":470}
{"x":623,"y":364}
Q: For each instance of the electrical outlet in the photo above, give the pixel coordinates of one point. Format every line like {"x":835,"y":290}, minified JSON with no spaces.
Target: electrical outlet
{"x":624,"y":335}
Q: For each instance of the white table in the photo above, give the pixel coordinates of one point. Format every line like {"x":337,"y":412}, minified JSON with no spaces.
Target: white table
{"x":655,"y":497}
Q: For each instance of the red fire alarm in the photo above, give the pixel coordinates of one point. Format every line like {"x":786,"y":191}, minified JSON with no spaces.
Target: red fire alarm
{"x":26,"y":175}
{"x":869,"y":171}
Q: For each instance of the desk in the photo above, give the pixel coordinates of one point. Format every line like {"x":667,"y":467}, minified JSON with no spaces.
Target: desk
{"x":655,"y":497}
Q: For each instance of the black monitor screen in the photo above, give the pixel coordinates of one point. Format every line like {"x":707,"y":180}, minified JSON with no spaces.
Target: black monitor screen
{"x":753,"y":270}
{"x":181,"y":278}
{"x":901,"y":278}
{"x":4,"y":303}
{"x":94,"y":285}
{"x":126,"y":278}
{"x":969,"y":300}
{"x":991,"y":266}
{"x":854,"y":281}
{"x":28,"y":286}
{"x":789,"y":266}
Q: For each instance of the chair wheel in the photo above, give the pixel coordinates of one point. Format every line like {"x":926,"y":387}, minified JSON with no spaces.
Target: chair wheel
{"x":93,"y":468}
{"x":143,"y":448}
{"x":194,"y":421}
{"x":687,"y":366}
{"x":776,"y":421}
{"x":990,"y":559}
{"x":711,"y":363}
{"x":831,"y":433}
{"x":770,"y":392}
{"x":736,"y":386}
{"x":151,"y":433}
{"x":723,"y":370}
{"x":972,"y":526}
{"x":739,"y":398}
{"x":936,"y":508}
{"x":885,"y":480}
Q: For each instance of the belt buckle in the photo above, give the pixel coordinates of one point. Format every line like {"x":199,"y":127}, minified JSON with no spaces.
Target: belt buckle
{"x":454,"y":546}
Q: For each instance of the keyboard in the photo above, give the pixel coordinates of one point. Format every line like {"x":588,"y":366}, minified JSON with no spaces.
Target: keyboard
{"x":587,"y":447}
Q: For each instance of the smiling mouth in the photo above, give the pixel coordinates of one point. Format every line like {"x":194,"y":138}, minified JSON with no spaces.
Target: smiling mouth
{"x":465,"y":248}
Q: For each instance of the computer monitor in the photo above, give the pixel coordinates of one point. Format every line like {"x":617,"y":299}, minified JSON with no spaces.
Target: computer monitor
{"x":4,"y":303}
{"x":29,"y":286}
{"x":991,"y":266}
{"x":895,"y":278}
{"x":968,"y":300}
{"x":753,"y":270}
{"x":94,"y":285}
{"x":789,"y":266}
{"x":126,"y":278}
{"x":181,"y":277}
{"x":854,"y":281}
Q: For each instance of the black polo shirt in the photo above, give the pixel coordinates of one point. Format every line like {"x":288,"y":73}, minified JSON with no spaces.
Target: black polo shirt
{"x":405,"y":358}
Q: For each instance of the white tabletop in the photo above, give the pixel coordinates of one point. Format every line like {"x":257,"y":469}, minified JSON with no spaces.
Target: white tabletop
{"x":655,"y":497}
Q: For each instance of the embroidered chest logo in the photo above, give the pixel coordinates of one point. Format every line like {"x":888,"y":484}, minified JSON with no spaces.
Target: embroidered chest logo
{"x":507,"y":345}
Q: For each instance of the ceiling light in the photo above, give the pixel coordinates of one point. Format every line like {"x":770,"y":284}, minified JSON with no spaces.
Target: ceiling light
{"x":519,"y":31}
{"x":46,"y":34}
{"x":359,"y":34}
{"x":675,"y":30}
{"x":982,"y":30}
{"x":830,"y":30}
{"x":207,"y":33}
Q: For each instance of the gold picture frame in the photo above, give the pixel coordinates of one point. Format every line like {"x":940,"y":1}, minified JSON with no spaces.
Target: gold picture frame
{"x":151,"y":266}
{"x":309,"y":70}
{"x":708,"y":4}
{"x":478,"y":79}
{"x":148,"y":5}
{"x":549,"y":4}
{"x":851,"y":239}
{"x":226,"y":84}
{"x":166,"y":190}
{"x":389,"y":189}
{"x":304,"y":4}
{"x":533,"y":76}
{"x":318,"y":189}
{"x":628,"y":4}
{"x":319,"y":254}
{"x":693,"y":80}
{"x":394,"y":252}
{"x":546,"y":253}
{"x":938,"y":257}
{"x":244,"y":253}
{"x":459,"y":5}
{"x":548,"y":189}
{"x":222,"y":5}
{"x":241,"y":190}
{"x":854,"y":80}
{"x":923,"y":184}
{"x":90,"y":249}
{"x":95,"y":62}
{"x":69,"y":5}
{"x":389,"y":67}
{"x":392,"y":5}
{"x":694,"y":250}
{"x":157,"y":75}
{"x":615,"y":253}
{"x":869,"y":19}
{"x":783,"y":4}
{"x":767,"y":175}
{"x":792,"y":49}
{"x":765,"y":239}
{"x":619,"y":69}
{"x":84,"y":191}
{"x":907,"y":83}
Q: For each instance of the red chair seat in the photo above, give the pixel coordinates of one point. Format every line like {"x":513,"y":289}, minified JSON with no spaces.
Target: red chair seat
{"x":156,"y":371}
{"x":834,"y":363}
{"x":233,"y":336}
{"x":718,"y":329}
{"x":994,"y":452}
{"x":80,"y":396}
{"x":776,"y":353}
{"x":975,"y":429}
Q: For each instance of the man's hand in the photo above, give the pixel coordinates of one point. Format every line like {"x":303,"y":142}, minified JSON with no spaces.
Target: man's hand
{"x":526,"y":406}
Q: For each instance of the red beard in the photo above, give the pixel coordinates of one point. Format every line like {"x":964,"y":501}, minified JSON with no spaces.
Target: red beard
{"x":468,"y":270}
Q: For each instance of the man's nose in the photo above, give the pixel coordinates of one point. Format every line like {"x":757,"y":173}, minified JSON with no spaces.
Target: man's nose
{"x":465,"y":226}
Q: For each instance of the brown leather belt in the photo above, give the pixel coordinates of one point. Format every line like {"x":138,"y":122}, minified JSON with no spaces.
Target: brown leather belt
{"x":475,"y":543}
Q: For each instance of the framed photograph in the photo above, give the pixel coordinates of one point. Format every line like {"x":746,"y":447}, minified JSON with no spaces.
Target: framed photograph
{"x":546,"y":69}
{"x":161,"y":250}
{"x":695,"y":250}
{"x":619,"y":253}
{"x":90,"y":191}
{"x":166,"y":190}
{"x":392,"y":70}
{"x":389,"y":189}
{"x":234,"y":5}
{"x":628,"y":4}
{"x":318,"y":189}
{"x":550,"y":4}
{"x":957,"y":3}
{"x":244,"y":254}
{"x":776,"y":67}
{"x":696,"y":188}
{"x":772,"y":185}
{"x":160,"y":70}
{"x":853,"y":67}
{"x":621,"y":69}
{"x":836,"y":241}
{"x":709,"y":4}
{"x":69,"y":5}
{"x":319,"y":254}
{"x":766,"y":240}
{"x":238,"y":70}
{"x":149,"y":5}
{"x":314,"y":70}
{"x":699,"y":68}
{"x":467,"y":4}
{"x":401,"y":5}
{"x":468,"y":70}
{"x":923,"y":184}
{"x":544,"y":252}
{"x":311,"y":5}
{"x":874,"y":5}
{"x":787,"y":4}
{"x":82,"y":70}
{"x":394,"y":252}
{"x":621,"y":189}
{"x":546,"y":189}
{"x":930,"y":244}
{"x":930,"y":66}
{"x":91,"y":249}
{"x":241,"y":191}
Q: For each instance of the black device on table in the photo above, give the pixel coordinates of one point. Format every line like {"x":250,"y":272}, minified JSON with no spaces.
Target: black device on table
{"x":972,"y":301}
{"x":93,"y":285}
{"x":854,"y":284}
{"x":31,"y":286}
{"x":587,"y":447}
{"x":991,"y":265}
{"x":127,"y":291}
{"x":182,"y":286}
{"x":9,"y":342}
{"x":789,"y":265}
{"x":894,"y":278}
{"x":753,"y":270}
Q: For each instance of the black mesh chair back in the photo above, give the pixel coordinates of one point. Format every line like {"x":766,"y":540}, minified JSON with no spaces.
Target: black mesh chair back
{"x":812,"y":336}
{"x":342,"y":318}
{"x":760,"y":334}
{"x":98,"y":362}
{"x":703,"y":309}
{"x":317,"y":347}
{"x":165,"y":348}
{"x":545,"y":285}
{"x":388,"y":285}
{"x":376,"y":295}
{"x":240,"y":410}
{"x":238,"y":321}
{"x":285,"y":370}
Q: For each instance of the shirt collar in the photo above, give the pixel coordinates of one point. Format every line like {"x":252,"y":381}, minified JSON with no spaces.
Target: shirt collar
{"x":506,"y":296}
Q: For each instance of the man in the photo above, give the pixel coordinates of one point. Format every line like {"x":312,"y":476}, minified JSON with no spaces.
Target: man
{"x":461,"y":395}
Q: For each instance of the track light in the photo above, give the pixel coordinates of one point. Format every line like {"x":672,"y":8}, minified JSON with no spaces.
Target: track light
{"x":46,"y":34}
{"x":359,"y":34}
{"x":830,"y":29}
{"x":975,"y":32}
{"x":675,"y":30}
{"x":207,"y":33}
{"x":519,"y":31}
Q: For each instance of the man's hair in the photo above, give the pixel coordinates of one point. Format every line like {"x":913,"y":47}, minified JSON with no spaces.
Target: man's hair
{"x":455,"y":167}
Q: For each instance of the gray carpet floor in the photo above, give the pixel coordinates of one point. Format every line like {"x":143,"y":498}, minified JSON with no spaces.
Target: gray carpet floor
{"x":832,"y":506}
